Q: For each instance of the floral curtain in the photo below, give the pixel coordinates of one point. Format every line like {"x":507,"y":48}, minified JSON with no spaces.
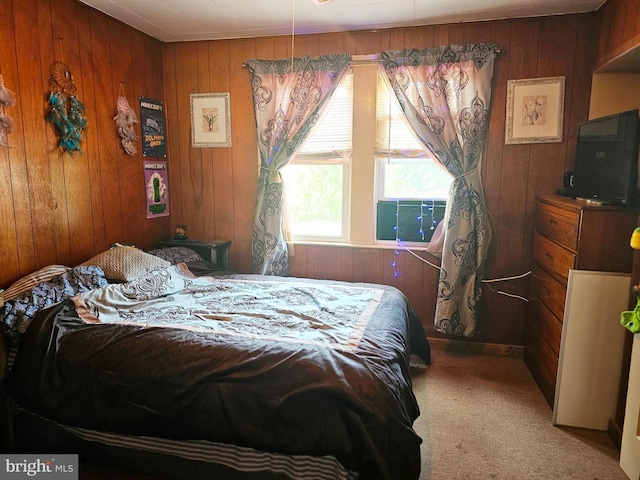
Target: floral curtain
{"x":445,"y":93}
{"x":288,"y":98}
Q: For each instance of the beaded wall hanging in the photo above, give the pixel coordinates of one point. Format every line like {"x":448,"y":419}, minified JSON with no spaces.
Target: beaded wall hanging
{"x":66,"y":112}
{"x":7,"y":99}
{"x":125,"y":118}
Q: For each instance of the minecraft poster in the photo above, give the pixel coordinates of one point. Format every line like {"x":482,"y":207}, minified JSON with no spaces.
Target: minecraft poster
{"x":156,"y":188}
{"x":154,"y":140}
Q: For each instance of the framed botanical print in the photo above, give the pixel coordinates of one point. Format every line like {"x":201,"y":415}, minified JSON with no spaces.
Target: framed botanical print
{"x":535,"y":109}
{"x":210,"y":120}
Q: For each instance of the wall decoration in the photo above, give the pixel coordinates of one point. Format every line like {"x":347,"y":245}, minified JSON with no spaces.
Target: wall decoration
{"x":125,"y":118}
{"x":535,"y":109}
{"x":156,"y":188}
{"x":66,"y":111}
{"x":154,"y":140}
{"x":7,"y":99}
{"x":210,"y":120}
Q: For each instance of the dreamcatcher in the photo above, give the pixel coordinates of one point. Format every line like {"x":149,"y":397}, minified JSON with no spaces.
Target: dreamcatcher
{"x":66,"y":112}
{"x":125,"y":118}
{"x":7,"y":99}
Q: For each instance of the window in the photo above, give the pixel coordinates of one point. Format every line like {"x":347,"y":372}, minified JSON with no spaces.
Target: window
{"x":362,"y":177}
{"x":412,"y":188}
{"x":317,"y":180}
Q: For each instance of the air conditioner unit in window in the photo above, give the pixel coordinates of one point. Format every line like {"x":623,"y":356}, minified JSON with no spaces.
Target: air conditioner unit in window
{"x":408,"y":220}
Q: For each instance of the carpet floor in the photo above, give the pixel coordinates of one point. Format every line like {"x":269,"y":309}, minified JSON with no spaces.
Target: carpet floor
{"x":483,"y":417}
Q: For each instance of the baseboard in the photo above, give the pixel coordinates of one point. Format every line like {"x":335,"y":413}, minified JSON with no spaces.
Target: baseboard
{"x":459,"y":346}
{"x":615,"y":433}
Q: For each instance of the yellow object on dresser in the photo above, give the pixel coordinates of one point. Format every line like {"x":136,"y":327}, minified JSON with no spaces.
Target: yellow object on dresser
{"x":635,"y":239}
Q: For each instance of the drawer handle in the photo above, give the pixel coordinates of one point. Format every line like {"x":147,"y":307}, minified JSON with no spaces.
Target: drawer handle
{"x":548,"y":257}
{"x":552,"y":221}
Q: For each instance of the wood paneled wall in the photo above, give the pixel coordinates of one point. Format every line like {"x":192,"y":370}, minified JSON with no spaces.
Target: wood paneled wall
{"x":57,"y":208}
{"x":213,"y":189}
{"x":620,"y":29}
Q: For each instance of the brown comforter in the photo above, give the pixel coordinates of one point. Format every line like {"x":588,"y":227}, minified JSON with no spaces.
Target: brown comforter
{"x":285,"y":365}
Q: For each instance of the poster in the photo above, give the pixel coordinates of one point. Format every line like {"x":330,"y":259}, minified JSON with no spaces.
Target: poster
{"x":154,"y":140}
{"x":156,"y":188}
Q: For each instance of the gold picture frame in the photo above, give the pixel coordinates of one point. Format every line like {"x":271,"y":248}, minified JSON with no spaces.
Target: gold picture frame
{"x":535,"y":110}
{"x":210,"y":120}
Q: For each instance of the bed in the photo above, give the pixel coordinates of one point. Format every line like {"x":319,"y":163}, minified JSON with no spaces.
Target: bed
{"x":180,"y":367}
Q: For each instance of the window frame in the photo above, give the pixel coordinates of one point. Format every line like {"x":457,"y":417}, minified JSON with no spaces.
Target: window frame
{"x":362,"y":170}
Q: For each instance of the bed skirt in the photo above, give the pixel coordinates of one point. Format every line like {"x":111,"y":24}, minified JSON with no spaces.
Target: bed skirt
{"x":170,"y":458}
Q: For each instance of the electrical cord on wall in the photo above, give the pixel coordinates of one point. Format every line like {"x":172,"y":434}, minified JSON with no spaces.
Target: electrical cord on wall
{"x":486,"y":281}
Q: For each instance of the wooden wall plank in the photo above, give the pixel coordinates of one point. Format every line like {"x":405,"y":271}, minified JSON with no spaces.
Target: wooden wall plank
{"x":312,"y":261}
{"x":368,"y":265}
{"x":201,"y":172}
{"x":222,"y":165}
{"x":47,"y":204}
{"x":419,"y":37}
{"x":173,"y":147}
{"x":77,"y":180}
{"x":617,"y":30}
{"x":140,"y":84}
{"x":130,"y":191}
{"x":91,"y":145}
{"x":190,"y":164}
{"x":9,"y":246}
{"x":107,"y":146}
{"x":630,"y":22}
{"x":244,"y":153}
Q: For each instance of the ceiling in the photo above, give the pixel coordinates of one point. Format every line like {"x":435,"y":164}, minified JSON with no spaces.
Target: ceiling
{"x":185,"y":20}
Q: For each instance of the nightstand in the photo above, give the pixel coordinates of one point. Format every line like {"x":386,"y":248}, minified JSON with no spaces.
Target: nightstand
{"x":214,"y":251}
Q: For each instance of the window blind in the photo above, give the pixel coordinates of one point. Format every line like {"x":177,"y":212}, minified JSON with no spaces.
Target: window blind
{"x":331,"y":137}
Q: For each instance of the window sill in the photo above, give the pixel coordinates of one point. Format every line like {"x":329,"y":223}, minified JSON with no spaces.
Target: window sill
{"x":421,"y":247}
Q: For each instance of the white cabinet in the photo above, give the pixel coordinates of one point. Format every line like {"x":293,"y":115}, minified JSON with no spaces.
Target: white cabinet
{"x":590,"y":359}
{"x":630,"y":450}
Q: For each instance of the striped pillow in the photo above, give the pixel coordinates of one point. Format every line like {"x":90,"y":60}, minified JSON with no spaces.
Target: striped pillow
{"x":36,"y":278}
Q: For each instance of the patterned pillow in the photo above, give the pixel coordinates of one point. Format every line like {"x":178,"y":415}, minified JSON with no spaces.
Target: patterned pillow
{"x":29,"y":281}
{"x":175,"y":255}
{"x":17,"y":314}
{"x":123,"y":264}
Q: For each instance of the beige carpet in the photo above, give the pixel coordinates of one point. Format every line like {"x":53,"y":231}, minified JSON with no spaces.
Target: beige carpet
{"x":483,"y":417}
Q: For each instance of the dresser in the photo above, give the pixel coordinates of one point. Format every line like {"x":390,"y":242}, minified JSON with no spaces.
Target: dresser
{"x":569,"y":235}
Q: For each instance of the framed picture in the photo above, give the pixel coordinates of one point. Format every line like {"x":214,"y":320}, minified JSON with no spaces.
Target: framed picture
{"x":535,"y":108}
{"x":210,"y":120}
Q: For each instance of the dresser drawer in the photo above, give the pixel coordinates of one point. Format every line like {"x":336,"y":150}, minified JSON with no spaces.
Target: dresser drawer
{"x":552,"y":257}
{"x":549,"y":290}
{"x":559,"y":225}
{"x":546,"y":323}
{"x":541,"y":360}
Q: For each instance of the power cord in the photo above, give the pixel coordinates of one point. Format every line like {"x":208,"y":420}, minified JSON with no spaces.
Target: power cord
{"x":487,"y":281}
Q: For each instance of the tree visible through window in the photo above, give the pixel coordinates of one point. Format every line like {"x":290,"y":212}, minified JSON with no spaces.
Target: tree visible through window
{"x":325,"y":199}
